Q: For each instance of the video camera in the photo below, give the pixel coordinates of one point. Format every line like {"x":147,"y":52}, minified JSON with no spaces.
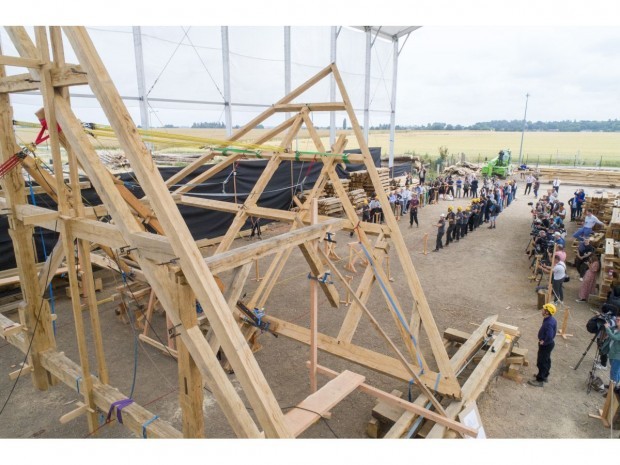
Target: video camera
{"x":596,"y":324}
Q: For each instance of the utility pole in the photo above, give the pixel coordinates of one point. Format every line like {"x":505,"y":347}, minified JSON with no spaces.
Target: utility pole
{"x":527,"y":96}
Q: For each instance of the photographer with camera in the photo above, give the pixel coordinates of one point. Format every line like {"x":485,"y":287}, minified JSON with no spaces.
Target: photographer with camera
{"x":614,"y":351}
{"x":546,"y":343}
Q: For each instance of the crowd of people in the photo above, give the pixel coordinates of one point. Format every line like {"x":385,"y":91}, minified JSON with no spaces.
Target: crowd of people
{"x":547,"y":250}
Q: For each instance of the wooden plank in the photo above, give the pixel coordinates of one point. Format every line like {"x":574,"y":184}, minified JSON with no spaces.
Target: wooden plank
{"x":134,"y":416}
{"x":310,"y":410}
{"x":295,"y":107}
{"x":472,"y":343}
{"x":378,"y":362}
{"x":20,"y":62}
{"x":68,"y":75}
{"x":404,"y":404}
{"x":476,"y":382}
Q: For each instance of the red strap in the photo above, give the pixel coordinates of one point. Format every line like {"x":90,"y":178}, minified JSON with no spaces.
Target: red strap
{"x":40,"y":138}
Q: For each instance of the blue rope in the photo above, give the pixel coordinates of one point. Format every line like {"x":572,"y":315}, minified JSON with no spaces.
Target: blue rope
{"x":135,"y":345}
{"x":147,"y":423}
{"x":395,"y":307}
{"x":49,"y":287}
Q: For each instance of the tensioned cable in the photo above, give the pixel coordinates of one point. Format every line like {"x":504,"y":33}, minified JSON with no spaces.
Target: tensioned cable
{"x":203,"y":63}
{"x":169,"y":60}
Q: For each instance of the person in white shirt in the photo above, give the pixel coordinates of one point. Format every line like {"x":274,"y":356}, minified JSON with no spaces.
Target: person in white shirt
{"x":556,"y":185}
{"x":559,"y":273}
{"x":528,"y":184}
{"x":589,"y":222}
{"x":405,"y":199}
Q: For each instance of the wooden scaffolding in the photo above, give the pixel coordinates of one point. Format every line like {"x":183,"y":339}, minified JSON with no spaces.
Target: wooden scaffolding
{"x":155,"y":234}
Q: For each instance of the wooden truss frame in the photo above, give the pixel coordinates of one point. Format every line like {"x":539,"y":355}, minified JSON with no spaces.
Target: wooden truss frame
{"x":172,"y":264}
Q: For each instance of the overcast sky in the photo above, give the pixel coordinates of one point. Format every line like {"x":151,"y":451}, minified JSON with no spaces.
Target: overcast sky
{"x":568,"y":60}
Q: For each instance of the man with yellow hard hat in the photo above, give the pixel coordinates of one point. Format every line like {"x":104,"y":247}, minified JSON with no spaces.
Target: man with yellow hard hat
{"x":546,"y":343}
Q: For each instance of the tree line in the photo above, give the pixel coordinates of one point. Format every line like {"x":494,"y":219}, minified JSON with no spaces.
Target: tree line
{"x":517,"y":125}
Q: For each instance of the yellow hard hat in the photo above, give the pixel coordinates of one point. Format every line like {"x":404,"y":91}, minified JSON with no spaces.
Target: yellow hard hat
{"x":468,"y":209}
{"x":450,"y":208}
{"x":459,"y":209}
{"x":550,"y":308}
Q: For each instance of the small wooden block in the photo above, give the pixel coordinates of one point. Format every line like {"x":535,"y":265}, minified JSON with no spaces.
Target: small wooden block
{"x":21,"y":372}
{"x":372,"y":428}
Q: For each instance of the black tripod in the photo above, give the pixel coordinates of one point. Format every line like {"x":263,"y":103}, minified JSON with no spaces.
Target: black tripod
{"x":591,"y":374}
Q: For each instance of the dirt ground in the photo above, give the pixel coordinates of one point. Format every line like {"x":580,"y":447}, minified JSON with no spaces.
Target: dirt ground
{"x":484,"y":274}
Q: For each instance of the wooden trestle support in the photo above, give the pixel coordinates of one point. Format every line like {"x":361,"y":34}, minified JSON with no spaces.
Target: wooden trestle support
{"x":179,"y":283}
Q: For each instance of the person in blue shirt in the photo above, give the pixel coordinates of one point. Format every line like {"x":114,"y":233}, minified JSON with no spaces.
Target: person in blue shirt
{"x":546,"y":343}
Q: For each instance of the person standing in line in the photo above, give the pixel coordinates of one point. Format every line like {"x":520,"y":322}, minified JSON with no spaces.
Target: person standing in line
{"x":558,"y":269}
{"x":422,"y":175}
{"x":441,"y":229}
{"x":546,"y":343}
{"x":556,"y":185}
{"x":465,"y":221}
{"x":459,"y":223}
{"x":406,"y":197}
{"x":466,"y":186}
{"x":451,"y":217}
{"x":493,"y":211}
{"x":413,"y":210}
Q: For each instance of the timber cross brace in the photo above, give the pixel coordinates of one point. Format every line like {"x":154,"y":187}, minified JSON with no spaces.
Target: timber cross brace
{"x":173,"y":266}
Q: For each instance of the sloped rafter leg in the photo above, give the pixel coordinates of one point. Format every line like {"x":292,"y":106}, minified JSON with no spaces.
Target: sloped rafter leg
{"x":430,"y":327}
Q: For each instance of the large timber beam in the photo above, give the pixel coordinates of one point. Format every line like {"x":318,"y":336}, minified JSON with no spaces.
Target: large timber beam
{"x":68,"y":75}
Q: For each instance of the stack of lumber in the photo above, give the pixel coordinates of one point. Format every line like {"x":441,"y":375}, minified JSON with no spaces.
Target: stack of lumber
{"x":114,"y":160}
{"x":331,"y":206}
{"x":581,"y":176}
{"x":361,"y":180}
{"x":330,"y":191}
{"x":601,"y":204}
{"x":175,"y":159}
{"x":357,"y":197}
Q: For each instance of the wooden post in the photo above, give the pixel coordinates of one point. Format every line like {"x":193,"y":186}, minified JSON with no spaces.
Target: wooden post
{"x":190,"y":381}
{"x":425,"y":239}
{"x":549,"y":285}
{"x":562,"y":331}
{"x":314,"y":295}
{"x":256,"y":277}
{"x":610,"y":407}
{"x":347,"y":301}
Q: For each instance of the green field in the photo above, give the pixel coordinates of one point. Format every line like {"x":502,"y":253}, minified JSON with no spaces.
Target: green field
{"x":565,"y":148}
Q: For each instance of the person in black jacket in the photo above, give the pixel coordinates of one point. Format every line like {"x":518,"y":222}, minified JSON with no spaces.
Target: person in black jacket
{"x":441,"y":229}
{"x":546,"y":343}
{"x":474,"y":188}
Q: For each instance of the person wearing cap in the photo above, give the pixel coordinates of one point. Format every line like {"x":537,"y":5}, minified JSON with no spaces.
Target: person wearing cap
{"x":465,"y":221}
{"x":441,"y":229}
{"x":546,"y":343}
{"x":588,"y":224}
{"x":451,"y":218}
{"x":557,"y":238}
{"x":459,"y":224}
{"x":413,"y":210}
{"x":365,"y":211}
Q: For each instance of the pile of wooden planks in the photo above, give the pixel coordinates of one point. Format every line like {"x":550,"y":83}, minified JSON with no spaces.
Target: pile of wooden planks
{"x":331,"y":192}
{"x":361,"y":180}
{"x":601,"y":204}
{"x":581,"y":176}
{"x":357,"y":197}
{"x":330,"y":206}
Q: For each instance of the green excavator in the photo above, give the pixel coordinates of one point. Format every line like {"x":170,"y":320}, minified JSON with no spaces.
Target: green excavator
{"x":498,"y":166}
